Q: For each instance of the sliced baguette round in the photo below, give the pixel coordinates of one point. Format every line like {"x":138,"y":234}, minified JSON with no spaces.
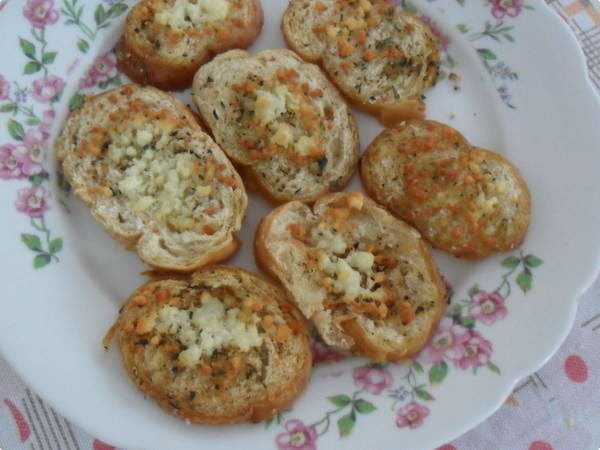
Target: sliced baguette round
{"x":165,"y":41}
{"x":464,"y":200}
{"x":280,"y":120}
{"x":222,"y":346}
{"x":365,"y":278}
{"x":160,"y":185}
{"x":379,"y":56}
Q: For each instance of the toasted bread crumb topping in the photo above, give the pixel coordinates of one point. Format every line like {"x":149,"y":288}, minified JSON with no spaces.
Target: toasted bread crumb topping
{"x":188,"y":13}
{"x":208,"y":328}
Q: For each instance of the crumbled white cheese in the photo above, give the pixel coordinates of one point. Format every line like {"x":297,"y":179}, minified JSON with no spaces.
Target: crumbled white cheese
{"x":327,"y":240}
{"x":208,"y":328}
{"x":305,"y":145}
{"x":347,"y":274}
{"x":284,"y":134}
{"x":184,"y":13}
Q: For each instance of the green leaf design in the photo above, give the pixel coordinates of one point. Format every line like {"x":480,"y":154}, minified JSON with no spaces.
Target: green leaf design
{"x":75,"y":102}
{"x":363,"y":406}
{"x":117,"y":9}
{"x":438,"y":372}
{"x":511,"y":262}
{"x":461,"y":2}
{"x":493,"y":367}
{"x":529,"y":7}
{"x":525,"y":280}
{"x":463,"y":28}
{"x":346,"y":424}
{"x":27,"y":47}
{"x":36,"y":180}
{"x":340,"y":400}
{"x":468,"y":321}
{"x":32,"y":242}
{"x":55,"y":245}
{"x":424,"y":395}
{"x":32,"y":67}
{"x":49,"y":57}
{"x":83,"y":45}
{"x":533,"y":261}
{"x":15,"y":129}
{"x":486,"y":54}
{"x":41,"y":260}
{"x":474,"y":290}
{"x":8,"y":107}
{"x":100,"y":14}
{"x":33,"y":121}
{"x":417,"y":366}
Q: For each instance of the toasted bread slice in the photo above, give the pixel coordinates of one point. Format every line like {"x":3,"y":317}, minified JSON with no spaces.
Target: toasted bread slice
{"x":281,"y":120}
{"x":365,"y":278}
{"x":465,"y":200}
{"x":160,"y":185}
{"x":379,"y":56}
{"x":166,"y":41}
{"x":222,"y":346}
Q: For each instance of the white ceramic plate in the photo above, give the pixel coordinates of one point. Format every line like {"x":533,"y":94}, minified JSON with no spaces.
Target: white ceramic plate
{"x":523,"y":92}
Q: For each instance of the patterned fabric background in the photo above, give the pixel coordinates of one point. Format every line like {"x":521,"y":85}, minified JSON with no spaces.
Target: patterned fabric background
{"x":556,"y":408}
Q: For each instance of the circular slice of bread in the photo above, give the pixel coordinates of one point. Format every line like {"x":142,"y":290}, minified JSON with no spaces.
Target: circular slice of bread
{"x":165,"y":41}
{"x":465,"y":200}
{"x":221,"y":346}
{"x":379,"y":56}
{"x":365,"y":278}
{"x":160,"y":185}
{"x":280,"y":120}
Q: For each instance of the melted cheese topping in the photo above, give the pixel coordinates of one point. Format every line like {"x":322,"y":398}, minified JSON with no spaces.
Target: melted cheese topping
{"x":208,"y":328}
{"x":184,"y":13}
{"x":347,"y":274}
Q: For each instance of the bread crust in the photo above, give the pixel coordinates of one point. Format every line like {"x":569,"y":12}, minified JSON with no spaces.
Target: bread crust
{"x":465,"y":200}
{"x":86,"y":148}
{"x":299,"y":25}
{"x":141,"y":61}
{"x":268,"y":151}
{"x":351,"y":333}
{"x":211,"y":405}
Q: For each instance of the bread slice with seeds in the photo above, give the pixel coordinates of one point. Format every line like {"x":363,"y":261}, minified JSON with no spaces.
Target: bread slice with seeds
{"x":166,"y":41}
{"x":379,"y":56}
{"x":219,"y":347}
{"x":365,"y":278}
{"x":280,"y":120}
{"x":465,"y":200}
{"x":160,"y":185}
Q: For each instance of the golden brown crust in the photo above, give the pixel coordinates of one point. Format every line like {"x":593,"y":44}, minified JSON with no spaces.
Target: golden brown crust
{"x":468,"y":201}
{"x":267,"y":253}
{"x":141,"y":61}
{"x":218,"y":389}
{"x":361,"y":65}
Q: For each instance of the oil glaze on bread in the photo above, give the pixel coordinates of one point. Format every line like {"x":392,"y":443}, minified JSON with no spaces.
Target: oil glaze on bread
{"x":364,"y":278}
{"x":465,"y":200}
{"x":160,"y":185}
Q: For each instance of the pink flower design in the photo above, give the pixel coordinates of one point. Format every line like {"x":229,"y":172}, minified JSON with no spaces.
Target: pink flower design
{"x":477,"y":352}
{"x":411,"y":415}
{"x":448,"y":342}
{"x":323,"y":353}
{"x":510,"y":8}
{"x":48,"y":117}
{"x":488,"y":307}
{"x":19,"y":162}
{"x":4,"y":88}
{"x":36,"y":137}
{"x":297,"y":436}
{"x":40,"y":12}
{"x":373,"y":380}
{"x":442,"y":38}
{"x":103,"y":69}
{"x":32,"y":201}
{"x":46,"y":89}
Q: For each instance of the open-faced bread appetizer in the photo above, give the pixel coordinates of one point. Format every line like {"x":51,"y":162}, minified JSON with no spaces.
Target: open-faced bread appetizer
{"x":280,"y":120}
{"x":160,"y":185}
{"x":222,"y":346}
{"x":165,"y":41}
{"x":365,"y":278}
{"x":465,"y":200}
{"x":379,"y":56}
